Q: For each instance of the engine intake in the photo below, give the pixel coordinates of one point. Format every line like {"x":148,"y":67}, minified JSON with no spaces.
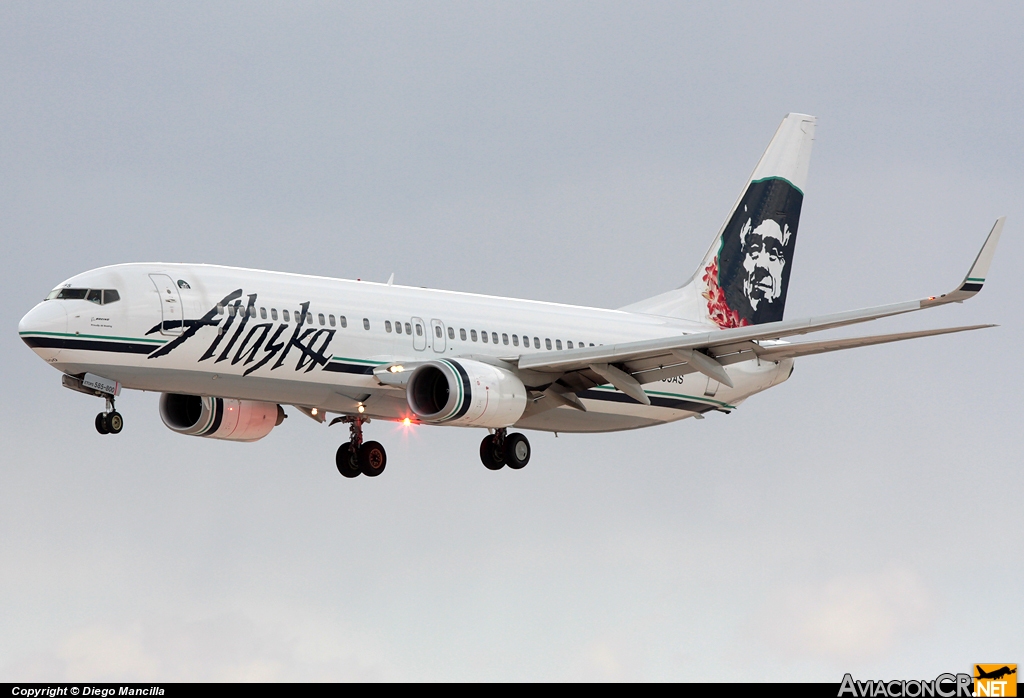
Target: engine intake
{"x":219,"y":418}
{"x":467,"y":393}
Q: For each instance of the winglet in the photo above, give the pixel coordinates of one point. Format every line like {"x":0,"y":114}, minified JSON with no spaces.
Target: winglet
{"x":975,"y":278}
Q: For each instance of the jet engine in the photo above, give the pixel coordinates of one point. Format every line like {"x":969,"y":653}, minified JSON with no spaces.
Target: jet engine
{"x":466,"y":393}
{"x":219,"y":418}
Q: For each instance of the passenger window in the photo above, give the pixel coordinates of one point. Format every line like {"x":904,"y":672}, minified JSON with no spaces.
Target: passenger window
{"x":330,"y":319}
{"x":341,"y":319}
{"x":515,"y":340}
{"x":232,"y":309}
{"x":462,"y":335}
{"x":398,"y":327}
{"x":419,"y":330}
{"x":263,"y":313}
{"x":494,"y":337}
{"x":366,"y":323}
{"x":438,"y":332}
{"x":111,"y":296}
{"x":408,"y":328}
{"x":387,"y":325}
{"x":95,"y":296}
{"x":252,"y":311}
{"x":287,"y":317}
{"x":483,"y":337}
{"x":451,"y":333}
{"x":547,"y":344}
{"x":558,"y":344}
{"x":568,"y":345}
{"x":320,"y":317}
{"x":472,"y":335}
{"x":536,"y":342}
{"x":273,"y":314}
{"x":504,"y":339}
{"x":220,"y":309}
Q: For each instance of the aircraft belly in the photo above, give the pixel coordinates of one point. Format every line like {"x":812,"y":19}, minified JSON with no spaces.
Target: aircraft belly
{"x":568,"y":420}
{"x":339,"y":397}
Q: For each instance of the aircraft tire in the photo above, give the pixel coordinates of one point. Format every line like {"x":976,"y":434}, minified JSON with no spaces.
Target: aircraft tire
{"x":372,"y":459}
{"x":101,"y":423}
{"x":517,"y":451}
{"x":114,"y":422}
{"x":347,"y":461}
{"x":490,"y":456}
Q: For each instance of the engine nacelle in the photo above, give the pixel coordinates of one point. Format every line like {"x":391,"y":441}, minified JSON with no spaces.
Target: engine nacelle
{"x":466,"y":393}
{"x":219,"y":418}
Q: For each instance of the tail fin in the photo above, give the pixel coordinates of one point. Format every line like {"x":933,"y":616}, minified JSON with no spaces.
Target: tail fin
{"x":745,"y":275}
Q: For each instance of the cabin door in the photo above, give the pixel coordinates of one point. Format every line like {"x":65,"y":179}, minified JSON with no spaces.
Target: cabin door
{"x":170,"y":305}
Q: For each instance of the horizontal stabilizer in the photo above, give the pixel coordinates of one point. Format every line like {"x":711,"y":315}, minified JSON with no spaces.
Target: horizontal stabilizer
{"x":791,"y":351}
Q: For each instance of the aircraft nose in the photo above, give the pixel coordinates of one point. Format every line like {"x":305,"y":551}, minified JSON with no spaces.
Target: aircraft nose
{"x":48,"y":319}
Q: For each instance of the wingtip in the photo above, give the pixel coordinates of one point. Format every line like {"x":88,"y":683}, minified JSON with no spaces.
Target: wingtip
{"x":975,"y":278}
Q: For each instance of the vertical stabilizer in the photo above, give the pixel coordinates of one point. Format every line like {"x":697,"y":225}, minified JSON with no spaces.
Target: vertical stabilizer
{"x":744,"y":277}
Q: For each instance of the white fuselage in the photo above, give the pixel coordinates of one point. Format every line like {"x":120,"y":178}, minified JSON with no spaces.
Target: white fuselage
{"x":165,"y":334}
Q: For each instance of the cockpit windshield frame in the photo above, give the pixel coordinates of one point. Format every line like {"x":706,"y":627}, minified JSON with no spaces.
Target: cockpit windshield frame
{"x":98,"y":296}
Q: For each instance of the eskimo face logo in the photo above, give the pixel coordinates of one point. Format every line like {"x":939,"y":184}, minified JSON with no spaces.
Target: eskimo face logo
{"x":746,"y":282}
{"x":764,"y":260}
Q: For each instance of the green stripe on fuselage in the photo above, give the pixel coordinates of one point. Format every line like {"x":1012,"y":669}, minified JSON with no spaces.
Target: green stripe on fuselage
{"x":70,"y":335}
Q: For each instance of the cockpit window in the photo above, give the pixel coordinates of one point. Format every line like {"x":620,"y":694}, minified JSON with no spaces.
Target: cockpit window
{"x":94,"y":295}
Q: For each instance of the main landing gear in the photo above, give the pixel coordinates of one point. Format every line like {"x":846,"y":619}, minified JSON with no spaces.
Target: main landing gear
{"x":109,"y":421}
{"x":357,"y":457}
{"x":501,"y":448}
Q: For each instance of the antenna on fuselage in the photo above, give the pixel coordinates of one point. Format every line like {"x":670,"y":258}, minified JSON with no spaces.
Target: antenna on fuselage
{"x":391,"y":279}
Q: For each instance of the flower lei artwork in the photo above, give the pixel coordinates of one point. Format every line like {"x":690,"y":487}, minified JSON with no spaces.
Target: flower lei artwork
{"x":718,"y":309}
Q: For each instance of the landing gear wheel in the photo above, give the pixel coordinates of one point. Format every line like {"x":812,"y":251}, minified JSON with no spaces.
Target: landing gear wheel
{"x":490,"y":454}
{"x":372,"y":459}
{"x":347,"y":460}
{"x":114,"y":422}
{"x":101,"y":423}
{"x":517,"y":451}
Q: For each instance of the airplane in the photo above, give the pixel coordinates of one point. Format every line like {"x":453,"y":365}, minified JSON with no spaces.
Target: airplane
{"x":995,"y":674}
{"x":227,"y":348}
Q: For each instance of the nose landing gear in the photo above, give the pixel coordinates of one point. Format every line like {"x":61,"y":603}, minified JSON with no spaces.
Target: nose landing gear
{"x":501,"y":448}
{"x":357,"y":457}
{"x":110,"y":421}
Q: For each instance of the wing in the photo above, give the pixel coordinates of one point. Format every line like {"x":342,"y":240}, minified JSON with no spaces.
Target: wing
{"x":628,"y":365}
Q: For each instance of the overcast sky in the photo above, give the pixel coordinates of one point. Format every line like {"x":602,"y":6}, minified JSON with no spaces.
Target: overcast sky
{"x":864,"y":516}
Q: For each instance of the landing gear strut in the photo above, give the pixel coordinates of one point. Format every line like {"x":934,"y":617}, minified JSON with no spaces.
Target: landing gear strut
{"x":501,"y":448}
{"x":110,"y":421}
{"x":357,"y":457}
